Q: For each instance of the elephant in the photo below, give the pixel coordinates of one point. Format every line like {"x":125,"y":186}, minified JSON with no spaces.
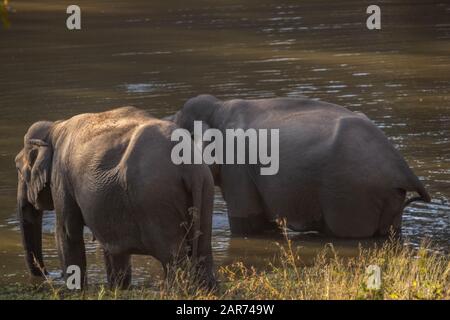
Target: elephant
{"x":338,"y":173}
{"x":112,"y":172}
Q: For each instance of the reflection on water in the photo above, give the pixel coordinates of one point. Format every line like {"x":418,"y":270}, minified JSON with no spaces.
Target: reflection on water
{"x":157,"y":55}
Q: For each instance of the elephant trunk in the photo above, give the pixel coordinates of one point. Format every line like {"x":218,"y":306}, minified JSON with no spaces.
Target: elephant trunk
{"x":30,"y":221}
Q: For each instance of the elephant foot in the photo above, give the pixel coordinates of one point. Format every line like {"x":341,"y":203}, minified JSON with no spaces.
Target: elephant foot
{"x":252,"y":225}
{"x":120,"y":281}
{"x":118,"y":270}
{"x":207,"y":280}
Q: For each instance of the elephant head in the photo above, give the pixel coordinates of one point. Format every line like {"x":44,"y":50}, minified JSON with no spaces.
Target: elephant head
{"x":200,"y":108}
{"x":33,"y":165}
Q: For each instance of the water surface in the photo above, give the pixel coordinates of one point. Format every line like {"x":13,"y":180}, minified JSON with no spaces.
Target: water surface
{"x":157,"y":55}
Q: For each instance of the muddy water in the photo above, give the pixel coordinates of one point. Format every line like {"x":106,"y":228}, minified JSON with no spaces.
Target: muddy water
{"x":155,"y":56}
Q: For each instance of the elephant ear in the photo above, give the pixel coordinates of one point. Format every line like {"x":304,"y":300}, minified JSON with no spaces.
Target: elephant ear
{"x":39,"y":159}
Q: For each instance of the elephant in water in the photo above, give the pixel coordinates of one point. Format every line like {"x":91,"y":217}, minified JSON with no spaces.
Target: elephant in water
{"x":338,"y":173}
{"x":112,"y":172}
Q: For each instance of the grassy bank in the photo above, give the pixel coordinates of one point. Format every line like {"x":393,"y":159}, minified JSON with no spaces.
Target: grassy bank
{"x":407,"y":273}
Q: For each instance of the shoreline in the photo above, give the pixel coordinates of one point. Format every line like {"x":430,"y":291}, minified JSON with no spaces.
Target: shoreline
{"x":406,"y":273}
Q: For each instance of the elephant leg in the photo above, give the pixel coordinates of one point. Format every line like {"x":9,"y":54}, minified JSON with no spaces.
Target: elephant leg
{"x":118,"y":269}
{"x":170,"y":265}
{"x":391,"y":216}
{"x":246,"y":210}
{"x":350,"y":214}
{"x":69,"y":238}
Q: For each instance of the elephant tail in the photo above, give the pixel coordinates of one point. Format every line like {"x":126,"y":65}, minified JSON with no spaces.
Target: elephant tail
{"x":202,"y":188}
{"x":423,"y":196}
{"x":413,"y":199}
{"x":418,"y":187}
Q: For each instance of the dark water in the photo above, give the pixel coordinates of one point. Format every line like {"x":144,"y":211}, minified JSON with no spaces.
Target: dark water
{"x":157,"y":55}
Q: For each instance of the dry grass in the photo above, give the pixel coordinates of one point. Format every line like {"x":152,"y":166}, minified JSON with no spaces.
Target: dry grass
{"x":407,"y":273}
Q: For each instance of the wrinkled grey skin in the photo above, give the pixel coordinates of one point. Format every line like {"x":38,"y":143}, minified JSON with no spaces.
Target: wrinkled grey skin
{"x":112,"y":172}
{"x":338,"y":172}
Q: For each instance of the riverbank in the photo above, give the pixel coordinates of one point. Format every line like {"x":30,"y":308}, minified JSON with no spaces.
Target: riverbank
{"x":406,"y":273}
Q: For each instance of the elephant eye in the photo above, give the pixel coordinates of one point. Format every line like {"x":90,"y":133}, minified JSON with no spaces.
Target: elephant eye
{"x":32,"y":156}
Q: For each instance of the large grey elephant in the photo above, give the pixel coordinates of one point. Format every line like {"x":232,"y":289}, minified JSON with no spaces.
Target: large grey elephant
{"x":338,"y":173}
{"x":112,"y":172}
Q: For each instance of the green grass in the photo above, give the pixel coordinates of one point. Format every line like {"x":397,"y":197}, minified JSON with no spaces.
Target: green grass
{"x":407,"y":273}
